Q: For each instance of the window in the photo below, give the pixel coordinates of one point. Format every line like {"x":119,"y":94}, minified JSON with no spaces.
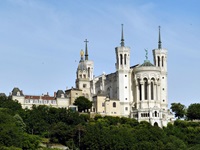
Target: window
{"x":163,"y":89}
{"x":162,"y":61}
{"x":27,"y":101}
{"x":125,"y":98}
{"x":62,"y":95}
{"x":125,"y":75}
{"x":89,"y":72}
{"x":145,"y":89}
{"x":152,"y":91}
{"x":114,"y":104}
{"x":140,"y":89}
{"x":84,"y":85}
{"x":125,"y":87}
{"x":18,"y":93}
{"x":158,"y":61}
{"x":125,"y":59}
{"x":126,"y":108}
{"x":121,"y":59}
{"x":163,"y":77}
{"x":155,"y":113}
{"x":84,"y":76}
{"x":103,"y":104}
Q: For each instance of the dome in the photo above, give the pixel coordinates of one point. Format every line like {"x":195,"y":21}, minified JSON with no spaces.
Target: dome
{"x":146,"y":63}
{"x":82,"y":65}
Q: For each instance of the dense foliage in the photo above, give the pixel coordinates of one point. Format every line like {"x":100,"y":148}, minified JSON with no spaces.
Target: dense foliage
{"x":83,"y":104}
{"x":179,"y":110}
{"x":25,"y":129}
{"x":193,"y":112}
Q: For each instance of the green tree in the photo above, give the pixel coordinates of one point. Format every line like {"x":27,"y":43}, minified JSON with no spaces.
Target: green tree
{"x":193,"y":111}
{"x":179,"y":110}
{"x":83,"y":103}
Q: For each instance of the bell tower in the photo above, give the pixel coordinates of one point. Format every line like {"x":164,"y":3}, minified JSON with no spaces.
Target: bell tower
{"x":123,"y":75}
{"x":160,"y":61}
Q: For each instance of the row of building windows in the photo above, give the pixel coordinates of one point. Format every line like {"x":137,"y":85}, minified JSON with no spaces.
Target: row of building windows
{"x":155,"y":114}
{"x":40,"y":101}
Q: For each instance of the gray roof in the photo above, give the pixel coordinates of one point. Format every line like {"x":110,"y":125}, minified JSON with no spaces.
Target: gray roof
{"x":146,"y":63}
{"x":15,"y":90}
{"x":59,"y":93}
{"x":82,"y":65}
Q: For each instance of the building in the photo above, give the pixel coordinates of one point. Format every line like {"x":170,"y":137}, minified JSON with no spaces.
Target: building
{"x":59,"y":100}
{"x":138,"y":91}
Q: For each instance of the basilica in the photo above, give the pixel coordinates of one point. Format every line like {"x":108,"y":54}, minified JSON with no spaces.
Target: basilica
{"x":138,"y":91}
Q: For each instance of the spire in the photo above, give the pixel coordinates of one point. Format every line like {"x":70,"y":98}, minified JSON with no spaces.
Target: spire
{"x":159,"y":40}
{"x":86,"y":50}
{"x":122,"y":38}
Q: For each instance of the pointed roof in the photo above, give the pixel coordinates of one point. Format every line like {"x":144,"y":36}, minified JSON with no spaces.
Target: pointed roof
{"x":86,"y":49}
{"x":159,"y":40}
{"x":122,"y":37}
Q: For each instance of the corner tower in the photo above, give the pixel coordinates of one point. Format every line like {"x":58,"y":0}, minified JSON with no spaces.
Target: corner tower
{"x":160,"y":61}
{"x":123,"y":75}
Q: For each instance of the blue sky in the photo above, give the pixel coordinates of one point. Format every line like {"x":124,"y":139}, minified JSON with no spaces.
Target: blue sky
{"x":40,"y":41}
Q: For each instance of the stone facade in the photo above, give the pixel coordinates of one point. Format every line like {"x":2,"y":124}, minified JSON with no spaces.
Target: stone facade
{"x":139,"y":91}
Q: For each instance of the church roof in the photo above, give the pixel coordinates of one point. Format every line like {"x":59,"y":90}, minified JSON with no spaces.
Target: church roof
{"x":82,"y":66}
{"x":146,"y":63}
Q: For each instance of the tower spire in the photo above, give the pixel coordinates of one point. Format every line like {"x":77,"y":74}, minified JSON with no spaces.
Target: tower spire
{"x":122,"y":37}
{"x":159,"y":40}
{"x":86,"y":50}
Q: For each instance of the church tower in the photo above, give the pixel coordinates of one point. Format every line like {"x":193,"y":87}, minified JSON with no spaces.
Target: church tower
{"x":160,"y":61}
{"x":83,"y":74}
{"x":123,"y":76}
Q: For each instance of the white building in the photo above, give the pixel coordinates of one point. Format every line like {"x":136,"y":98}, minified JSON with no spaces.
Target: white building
{"x":59,"y":100}
{"x":140,"y":90}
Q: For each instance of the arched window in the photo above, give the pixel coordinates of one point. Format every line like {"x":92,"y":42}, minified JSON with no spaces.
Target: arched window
{"x":121,"y":59}
{"x":114,"y":104}
{"x":158,"y":61}
{"x":152,"y":90}
{"x":162,"y":61}
{"x":155,"y":113}
{"x":89,"y":72}
{"x":140,"y":90}
{"x":145,"y":89}
{"x":125,"y":59}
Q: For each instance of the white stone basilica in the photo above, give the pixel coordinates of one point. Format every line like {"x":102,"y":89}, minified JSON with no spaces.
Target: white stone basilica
{"x":138,"y":91}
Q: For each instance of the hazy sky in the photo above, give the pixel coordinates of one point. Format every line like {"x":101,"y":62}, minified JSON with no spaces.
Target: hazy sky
{"x":40,"y":41}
